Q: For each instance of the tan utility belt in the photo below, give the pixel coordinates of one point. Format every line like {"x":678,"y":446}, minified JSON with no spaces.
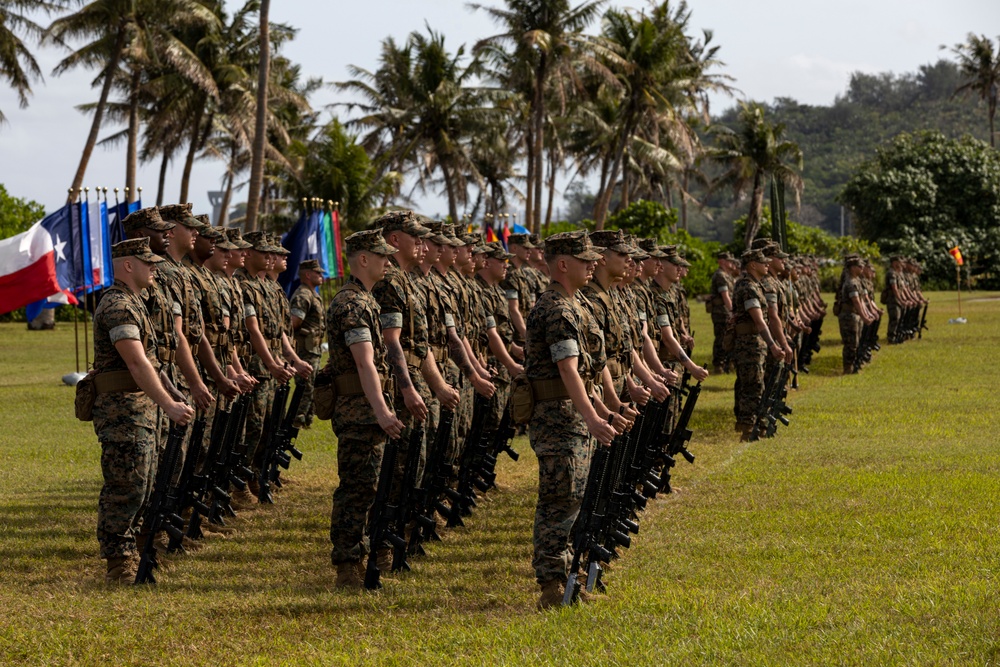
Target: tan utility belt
{"x":554,"y":389}
{"x":111,"y":382}
{"x":745,"y":329}
{"x":349,"y":384}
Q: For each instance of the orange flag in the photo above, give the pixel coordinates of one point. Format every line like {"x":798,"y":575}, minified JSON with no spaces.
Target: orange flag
{"x":957,"y":255}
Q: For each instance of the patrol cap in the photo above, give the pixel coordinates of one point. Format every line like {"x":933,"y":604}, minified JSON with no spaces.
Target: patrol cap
{"x":649,"y":247}
{"x":369,"y":240}
{"x":896,"y":258}
{"x":148,"y":218}
{"x":637,"y":253}
{"x":774,"y":251}
{"x":675,"y":258}
{"x":311,"y":265}
{"x":211,"y":233}
{"x":236,"y":239}
{"x":853,"y":260}
{"x":138,"y":248}
{"x":536,"y":240}
{"x":523,"y":240}
{"x":181,"y":213}
{"x":448,"y":231}
{"x":725,"y":254}
{"x":576,"y":244}
{"x":754,"y":255}
{"x":224,"y":243}
{"x":611,"y":240}
{"x":257,"y":241}
{"x":404,"y":220}
{"x":276,"y":247}
{"x":761,"y":243}
{"x":437,"y":233}
{"x":495,"y":251}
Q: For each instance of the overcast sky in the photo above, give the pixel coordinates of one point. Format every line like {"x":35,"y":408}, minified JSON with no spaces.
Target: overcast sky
{"x":803,"y":49}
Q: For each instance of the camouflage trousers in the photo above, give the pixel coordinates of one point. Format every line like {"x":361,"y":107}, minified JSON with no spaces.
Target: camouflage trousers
{"x":748,"y":358}
{"x":498,"y":402}
{"x":127,"y":425}
{"x":719,"y":356}
{"x":895,"y":315}
{"x":564,"y":450}
{"x":850,"y":332}
{"x":305,"y":413}
{"x":260,"y":406}
{"x":454,"y":378}
{"x":409,"y":424}
{"x":359,"y":458}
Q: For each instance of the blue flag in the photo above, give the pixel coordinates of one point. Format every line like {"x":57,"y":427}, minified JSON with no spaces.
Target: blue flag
{"x":303,"y":242}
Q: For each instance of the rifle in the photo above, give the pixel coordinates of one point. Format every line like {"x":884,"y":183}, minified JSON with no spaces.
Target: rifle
{"x":191,"y":485}
{"x":270,"y":438}
{"x":227,"y":468}
{"x":588,"y":523}
{"x":680,"y":435}
{"x":160,"y":513}
{"x":406,"y":506}
{"x":766,"y":401}
{"x":429,"y":499}
{"x":380,"y":515}
{"x":287,"y":431}
{"x":779,"y":409}
{"x":471,"y":472}
{"x":923,"y":322}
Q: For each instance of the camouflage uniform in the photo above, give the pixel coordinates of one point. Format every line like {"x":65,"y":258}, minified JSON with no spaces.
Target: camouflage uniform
{"x":308,"y":307}
{"x":497,"y":316}
{"x":891,"y":303}
{"x":749,"y":350}
{"x":850,"y":321}
{"x":126,"y":423}
{"x":722,"y":282}
{"x":353,"y":317}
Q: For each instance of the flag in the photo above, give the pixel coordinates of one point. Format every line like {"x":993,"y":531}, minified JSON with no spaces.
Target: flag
{"x":27,"y":268}
{"x":96,"y":224}
{"x":80,"y":248}
{"x":504,"y":235}
{"x":303,"y":242}
{"x":59,"y":226}
{"x":337,"y":247}
{"x":491,"y":236}
{"x":329,"y":250}
{"x":518,"y":229}
{"x":957,"y":255}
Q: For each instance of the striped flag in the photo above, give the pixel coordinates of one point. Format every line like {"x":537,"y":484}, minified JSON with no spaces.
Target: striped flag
{"x":956,"y":255}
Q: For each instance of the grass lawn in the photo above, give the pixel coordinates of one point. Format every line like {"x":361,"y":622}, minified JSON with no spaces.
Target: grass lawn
{"x":864,"y":534}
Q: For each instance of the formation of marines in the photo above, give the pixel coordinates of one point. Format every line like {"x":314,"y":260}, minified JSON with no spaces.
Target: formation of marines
{"x":439,"y":345}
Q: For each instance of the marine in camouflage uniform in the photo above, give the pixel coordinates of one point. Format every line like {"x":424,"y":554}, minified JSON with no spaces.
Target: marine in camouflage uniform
{"x":607,"y":311}
{"x":517,"y":286}
{"x":498,"y":331}
{"x":558,"y":430}
{"x":309,"y":324}
{"x":751,"y":340}
{"x":852,"y":311}
{"x":126,"y":419}
{"x":353,"y":319}
{"x":720,"y":307}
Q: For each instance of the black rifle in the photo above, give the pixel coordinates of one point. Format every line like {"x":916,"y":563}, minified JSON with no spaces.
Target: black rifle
{"x":190,"y":484}
{"x":588,"y":523}
{"x":923,"y":322}
{"x":270,"y":437}
{"x":380,"y":516}
{"x":429,"y":499}
{"x":472,"y":470}
{"x":161,"y":512}
{"x":766,"y":401}
{"x":284,"y":450}
{"x":679,"y":436}
{"x":779,"y":409}
{"x":406,"y":507}
{"x":227,"y":468}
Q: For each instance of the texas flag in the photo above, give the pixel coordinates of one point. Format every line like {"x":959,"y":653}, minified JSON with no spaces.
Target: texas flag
{"x":28,"y":268}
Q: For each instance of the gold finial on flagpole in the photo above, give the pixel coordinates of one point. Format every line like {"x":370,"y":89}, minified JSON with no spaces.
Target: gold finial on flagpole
{"x":86,"y":194}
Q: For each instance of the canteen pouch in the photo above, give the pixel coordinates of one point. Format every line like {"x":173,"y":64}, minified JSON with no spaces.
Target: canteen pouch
{"x":729,"y":338}
{"x":86,"y":394}
{"x":837,"y":307}
{"x":324,"y":395}
{"x":709,"y":304}
{"x":522,"y":400}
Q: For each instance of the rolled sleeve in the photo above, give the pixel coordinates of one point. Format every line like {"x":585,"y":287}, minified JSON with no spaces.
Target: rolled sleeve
{"x":491,"y":322}
{"x":359,"y":335}
{"x":750,"y":304}
{"x":564,"y":349}
{"x":663,"y":320}
{"x":391,"y":320}
{"x":124,"y":332}
{"x":295,"y":312}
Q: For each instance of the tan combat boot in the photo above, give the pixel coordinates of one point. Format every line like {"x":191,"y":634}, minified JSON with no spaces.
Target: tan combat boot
{"x":552,"y":594}
{"x":745,"y":431}
{"x":349,"y":575}
{"x":384,"y":560}
{"x":121,"y":571}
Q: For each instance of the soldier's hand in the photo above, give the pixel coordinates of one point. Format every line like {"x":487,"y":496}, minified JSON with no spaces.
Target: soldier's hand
{"x":229,"y":388}
{"x":302,"y":369}
{"x":178,"y":412}
{"x":777,"y":351}
{"x":638,"y":394}
{"x":202,"y":397}
{"x":414,"y":404}
{"x":517,"y":370}
{"x":671,"y":377}
{"x":699,"y":373}
{"x":601,"y":430}
{"x":449,"y":397}
{"x":483,"y":387}
{"x":389,"y":423}
{"x":659,"y":390}
{"x":789,"y":355}
{"x":516,"y":351}
{"x":246,"y":382}
{"x":280,"y":373}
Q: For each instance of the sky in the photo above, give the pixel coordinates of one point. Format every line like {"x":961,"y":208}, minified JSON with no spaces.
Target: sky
{"x":803,"y":49}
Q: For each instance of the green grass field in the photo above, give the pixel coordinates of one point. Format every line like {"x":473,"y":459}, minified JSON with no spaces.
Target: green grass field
{"x":864,"y":534}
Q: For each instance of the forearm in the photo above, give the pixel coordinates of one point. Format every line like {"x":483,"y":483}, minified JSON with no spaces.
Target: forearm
{"x":206,"y":355}
{"x":576,"y":389}
{"x":458,"y":353}
{"x":499,"y":351}
{"x":517,"y":320}
{"x":432,"y":375}
{"x":397,"y":360}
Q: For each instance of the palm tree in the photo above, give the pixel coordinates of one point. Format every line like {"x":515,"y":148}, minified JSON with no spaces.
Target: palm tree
{"x":140,"y":33}
{"x":17,"y":65}
{"x":260,"y":128}
{"x":980,"y":64}
{"x":750,"y":154}
{"x":544,"y":41}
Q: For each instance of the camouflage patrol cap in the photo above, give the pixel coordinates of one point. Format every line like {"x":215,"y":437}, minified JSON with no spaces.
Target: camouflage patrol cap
{"x":211,"y":234}
{"x":896,"y":258}
{"x":437,"y":233}
{"x":495,"y":251}
{"x":369,"y":240}
{"x":234,"y":237}
{"x":257,"y":241}
{"x":276,"y":247}
{"x":181,"y":213}
{"x":725,"y":254}
{"x":448,"y":231}
{"x":761,"y":243}
{"x":853,"y":260}
{"x":576,"y":244}
{"x":754,"y":255}
{"x":522,"y":240}
{"x":611,"y":240}
{"x":311,"y":265}
{"x":536,"y":240}
{"x":637,"y":253}
{"x":649,"y":247}
{"x":774,"y":251}
{"x":148,"y":218}
{"x":673,"y":257}
{"x":203,"y":219}
{"x":404,"y":220}
{"x":138,"y":248}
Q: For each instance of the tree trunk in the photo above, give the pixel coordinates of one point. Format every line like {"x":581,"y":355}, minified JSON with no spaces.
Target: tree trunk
{"x":601,"y":210}
{"x":541,"y":74}
{"x":529,"y":195}
{"x":260,"y":130}
{"x":553,"y":163}
{"x":756,"y":206}
{"x":626,"y":193}
{"x":161,"y":186}
{"x":131,"y":155}
{"x":192,"y":149}
{"x":226,"y":198}
{"x":449,"y":187}
{"x":95,"y":126}
{"x":684,"y":204}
